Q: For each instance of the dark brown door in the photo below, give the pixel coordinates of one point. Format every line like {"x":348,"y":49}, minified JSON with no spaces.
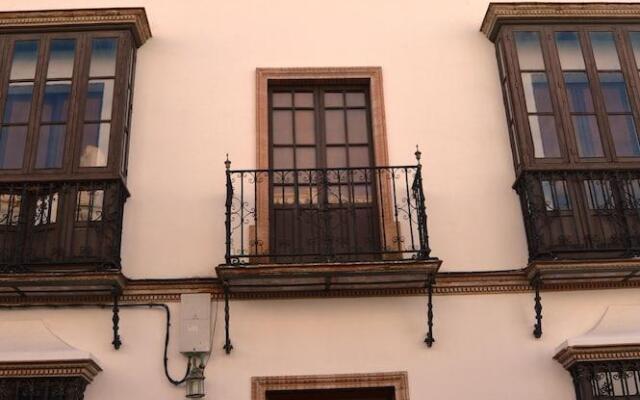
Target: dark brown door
{"x":323,"y":197}
{"x":380,"y":393}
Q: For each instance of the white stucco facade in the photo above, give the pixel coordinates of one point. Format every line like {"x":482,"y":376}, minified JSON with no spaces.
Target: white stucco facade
{"x":195,"y":101}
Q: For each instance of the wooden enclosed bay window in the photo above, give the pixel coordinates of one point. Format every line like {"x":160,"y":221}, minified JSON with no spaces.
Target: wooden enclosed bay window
{"x":569,"y":77}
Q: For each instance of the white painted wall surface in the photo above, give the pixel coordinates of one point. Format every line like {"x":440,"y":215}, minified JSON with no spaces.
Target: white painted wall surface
{"x":195,"y":101}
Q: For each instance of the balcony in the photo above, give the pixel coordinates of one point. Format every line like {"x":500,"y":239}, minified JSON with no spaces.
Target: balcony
{"x":60,"y":236}
{"x":326,"y":229}
{"x":581,"y":225}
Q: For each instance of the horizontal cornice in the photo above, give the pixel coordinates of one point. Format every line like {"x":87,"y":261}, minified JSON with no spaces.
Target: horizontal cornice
{"x":85,"y":369}
{"x":572,"y":355}
{"x":500,"y":14}
{"x":134,"y":19}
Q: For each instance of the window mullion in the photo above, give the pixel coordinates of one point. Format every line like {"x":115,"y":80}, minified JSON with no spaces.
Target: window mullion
{"x":81,"y":77}
{"x":596,"y":93}
{"x":629,"y":72}
{"x":36,"y":103}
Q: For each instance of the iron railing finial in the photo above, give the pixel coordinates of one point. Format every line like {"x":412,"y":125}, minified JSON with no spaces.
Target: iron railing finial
{"x":418,"y":154}
{"x":227,"y":162}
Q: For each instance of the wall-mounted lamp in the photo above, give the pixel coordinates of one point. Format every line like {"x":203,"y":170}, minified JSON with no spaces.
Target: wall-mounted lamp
{"x":195,"y":379}
{"x":195,"y":339}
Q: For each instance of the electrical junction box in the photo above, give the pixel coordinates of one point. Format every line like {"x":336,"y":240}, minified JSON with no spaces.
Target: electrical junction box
{"x":195,"y":323}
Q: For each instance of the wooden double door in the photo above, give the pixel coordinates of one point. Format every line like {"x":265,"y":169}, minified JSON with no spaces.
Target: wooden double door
{"x":323,"y":192}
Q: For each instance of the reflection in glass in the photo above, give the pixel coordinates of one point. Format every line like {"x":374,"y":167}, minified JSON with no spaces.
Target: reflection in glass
{"x":332,"y":99}
{"x":95,"y":145}
{"x":281,"y":99}
{"x":89,"y":206}
{"x":569,"y":50}
{"x":282,"y":127}
{"x":12,"y":141}
{"x":50,"y":146}
{"x":635,"y":43}
{"x":282,"y":158}
{"x":598,"y":193}
{"x":334,"y":126}
{"x":305,"y":157}
{"x":587,"y":136}
{"x":25,"y":57}
{"x":556,"y":195}
{"x":99,"y":100}
{"x":103,"y":57}
{"x":529,"y":51}
{"x":625,"y":137}
{"x":336,"y":157}
{"x":61,"y":55}
{"x":355,"y":99}
{"x":614,"y":92}
{"x":357,"y":126}
{"x":359,"y":156}
{"x":305,"y":127}
{"x":46,"y":211}
{"x":303,"y":99}
{"x":18,"y":103}
{"x":10,"y":209}
{"x":604,"y":50}
{"x":536,"y":92}
{"x":578,"y":92}
{"x":544,"y":136}
{"x":56,"y":101}
{"x":631,"y":189}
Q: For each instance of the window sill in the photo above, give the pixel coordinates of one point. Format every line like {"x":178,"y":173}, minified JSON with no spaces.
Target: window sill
{"x":583,"y":273}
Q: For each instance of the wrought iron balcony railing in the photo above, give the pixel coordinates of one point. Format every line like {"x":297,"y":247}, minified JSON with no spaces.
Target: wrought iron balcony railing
{"x":61,"y":226}
{"x":325,"y":215}
{"x":581,"y":214}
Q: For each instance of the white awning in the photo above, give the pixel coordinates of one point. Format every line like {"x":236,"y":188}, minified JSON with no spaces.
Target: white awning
{"x":618,"y":326}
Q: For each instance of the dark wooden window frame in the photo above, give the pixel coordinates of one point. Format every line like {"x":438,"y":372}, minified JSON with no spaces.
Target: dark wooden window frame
{"x":121,"y":106}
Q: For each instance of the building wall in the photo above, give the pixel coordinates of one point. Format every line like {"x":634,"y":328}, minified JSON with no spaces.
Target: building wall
{"x":195,"y":102}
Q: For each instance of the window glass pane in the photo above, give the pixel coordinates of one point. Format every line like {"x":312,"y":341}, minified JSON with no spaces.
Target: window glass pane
{"x":529,"y":51}
{"x":635,"y":43}
{"x":536,"y":92}
{"x":569,"y":50}
{"x":89,"y":206}
{"x":50,"y":146}
{"x":332,"y":99}
{"x":587,"y":136}
{"x":103,"y":57}
{"x":46,"y":211}
{"x":95,"y":145}
{"x":336,"y":157}
{"x":56,"y":101}
{"x":61,"y":55}
{"x":282,"y":126}
{"x":625,"y":137}
{"x":544,"y":136}
{"x":614,"y":92}
{"x":357,"y":126}
{"x":18,"y":105}
{"x":632,"y":193}
{"x":305,"y":157}
{"x":10,"y":209}
{"x":556,"y":196}
{"x":99,"y":100}
{"x":355,"y":99}
{"x":604,"y":50}
{"x":282,"y":158}
{"x":25,"y":57}
{"x":598,"y":193}
{"x":303,"y":99}
{"x":334,"y":126}
{"x":12,"y":141}
{"x":578,"y":92}
{"x":281,"y":99}
{"x":305,"y":127}
{"x":359,"y":156}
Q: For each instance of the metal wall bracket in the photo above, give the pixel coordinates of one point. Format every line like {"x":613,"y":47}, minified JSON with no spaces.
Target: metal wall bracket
{"x":116,"y":319}
{"x":429,"y":340}
{"x":537,"y":327}
{"x":227,"y":341}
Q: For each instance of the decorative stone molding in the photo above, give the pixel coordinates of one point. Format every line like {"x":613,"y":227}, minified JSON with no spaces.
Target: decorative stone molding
{"x":499,"y":14}
{"x":86,"y":369}
{"x":134,"y":19}
{"x":571,"y":355}
{"x":399,"y":380}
